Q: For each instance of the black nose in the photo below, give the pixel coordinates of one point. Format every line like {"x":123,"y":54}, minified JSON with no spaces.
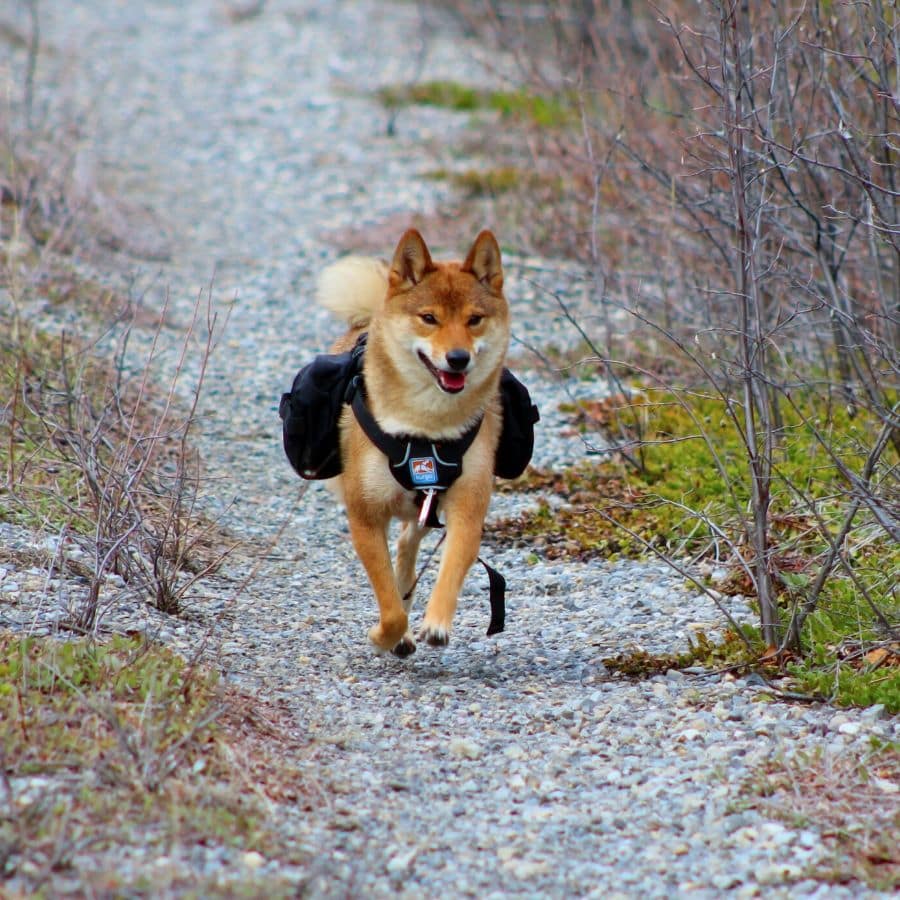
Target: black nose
{"x":457,"y":359}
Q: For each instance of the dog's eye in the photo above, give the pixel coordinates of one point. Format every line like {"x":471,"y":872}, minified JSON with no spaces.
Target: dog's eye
{"x":475,"y":320}
{"x":428,"y":319}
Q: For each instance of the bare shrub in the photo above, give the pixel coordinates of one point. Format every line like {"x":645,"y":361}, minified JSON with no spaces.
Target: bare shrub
{"x":748,"y":150}
{"x":111,"y":461}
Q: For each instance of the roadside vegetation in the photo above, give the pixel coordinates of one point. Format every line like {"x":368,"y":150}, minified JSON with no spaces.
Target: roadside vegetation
{"x":111,"y":745}
{"x":120,"y":749}
{"x":521,"y":105}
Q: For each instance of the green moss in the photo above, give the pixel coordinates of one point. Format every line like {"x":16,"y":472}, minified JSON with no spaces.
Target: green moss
{"x":544,"y":111}
{"x":486,"y":182}
{"x":491,"y":182}
{"x":848,"y":671}
{"x":732,"y":651}
{"x":446,"y":94}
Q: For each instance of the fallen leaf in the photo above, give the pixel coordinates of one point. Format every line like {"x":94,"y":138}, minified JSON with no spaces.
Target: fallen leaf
{"x":877,"y":656}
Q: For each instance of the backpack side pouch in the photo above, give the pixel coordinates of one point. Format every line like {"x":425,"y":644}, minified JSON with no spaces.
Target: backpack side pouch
{"x":311,"y":413}
{"x":517,"y":437}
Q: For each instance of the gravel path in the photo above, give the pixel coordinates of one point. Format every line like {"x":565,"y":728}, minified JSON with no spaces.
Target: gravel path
{"x":511,"y":766}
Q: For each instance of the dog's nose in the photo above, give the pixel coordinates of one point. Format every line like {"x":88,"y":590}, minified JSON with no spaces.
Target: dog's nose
{"x":457,"y":359}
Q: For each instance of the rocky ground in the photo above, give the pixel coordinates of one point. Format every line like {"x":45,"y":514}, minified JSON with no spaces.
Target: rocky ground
{"x":242,"y":153}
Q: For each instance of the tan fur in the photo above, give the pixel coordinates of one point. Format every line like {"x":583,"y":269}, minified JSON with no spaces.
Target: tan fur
{"x":469,"y":314}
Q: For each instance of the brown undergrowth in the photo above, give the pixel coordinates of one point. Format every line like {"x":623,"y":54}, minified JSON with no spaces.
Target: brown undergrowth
{"x":121,"y":750}
{"x":851,"y":801}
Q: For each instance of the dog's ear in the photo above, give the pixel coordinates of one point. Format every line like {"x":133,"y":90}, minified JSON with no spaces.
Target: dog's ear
{"x":484,"y":263}
{"x":411,"y":263}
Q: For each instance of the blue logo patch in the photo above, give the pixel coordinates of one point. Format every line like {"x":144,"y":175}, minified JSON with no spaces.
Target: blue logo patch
{"x":423,"y":470}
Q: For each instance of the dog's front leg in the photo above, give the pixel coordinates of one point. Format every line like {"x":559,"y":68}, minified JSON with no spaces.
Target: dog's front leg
{"x":464,"y":511}
{"x":370,"y":542}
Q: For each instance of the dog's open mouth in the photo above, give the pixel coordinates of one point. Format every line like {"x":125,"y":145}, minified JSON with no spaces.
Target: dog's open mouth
{"x":449,"y":382}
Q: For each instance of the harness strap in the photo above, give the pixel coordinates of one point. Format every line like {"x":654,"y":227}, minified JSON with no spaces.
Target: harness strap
{"x":390,"y":445}
{"x":497,"y":597}
{"x":443,"y":458}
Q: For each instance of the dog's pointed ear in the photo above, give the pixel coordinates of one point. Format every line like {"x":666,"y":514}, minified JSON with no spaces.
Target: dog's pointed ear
{"x":412,"y":261}
{"x":484,"y":263}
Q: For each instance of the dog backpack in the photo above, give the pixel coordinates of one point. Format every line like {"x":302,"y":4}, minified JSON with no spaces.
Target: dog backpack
{"x":311,"y":412}
{"x":520,"y":415}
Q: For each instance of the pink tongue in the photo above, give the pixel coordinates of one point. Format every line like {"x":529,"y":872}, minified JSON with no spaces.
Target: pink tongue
{"x":453,"y":381}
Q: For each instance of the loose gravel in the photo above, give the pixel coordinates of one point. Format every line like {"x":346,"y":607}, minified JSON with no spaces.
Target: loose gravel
{"x":507,"y":766}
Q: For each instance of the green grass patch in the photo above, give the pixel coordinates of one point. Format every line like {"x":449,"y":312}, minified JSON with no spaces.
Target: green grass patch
{"x":492,"y":182}
{"x":521,"y":105}
{"x":481,"y":182}
{"x":692,"y":499}
{"x":77,"y":698}
{"x":864,"y":678}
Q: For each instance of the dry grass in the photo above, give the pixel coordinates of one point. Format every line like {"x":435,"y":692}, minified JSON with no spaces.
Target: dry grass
{"x":851,"y":799}
{"x":123,"y":751}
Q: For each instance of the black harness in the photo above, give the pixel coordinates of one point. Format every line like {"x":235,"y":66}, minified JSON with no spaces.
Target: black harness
{"x":426,"y":467}
{"x":417,"y":463}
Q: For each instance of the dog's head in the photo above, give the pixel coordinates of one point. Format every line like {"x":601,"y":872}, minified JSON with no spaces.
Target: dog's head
{"x":447,"y":322}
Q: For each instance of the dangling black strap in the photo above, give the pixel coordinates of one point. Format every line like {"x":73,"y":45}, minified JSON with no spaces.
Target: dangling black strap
{"x":496,"y":590}
{"x":497,"y":595}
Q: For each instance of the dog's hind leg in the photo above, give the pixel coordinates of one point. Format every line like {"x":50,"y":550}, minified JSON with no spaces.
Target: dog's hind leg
{"x":370,"y":541}
{"x":407,"y":551}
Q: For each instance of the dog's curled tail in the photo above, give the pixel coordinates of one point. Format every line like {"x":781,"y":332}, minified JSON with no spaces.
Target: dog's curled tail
{"x":354,"y":288}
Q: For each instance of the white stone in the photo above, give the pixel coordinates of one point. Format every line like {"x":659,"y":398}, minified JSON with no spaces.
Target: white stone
{"x":465,"y":748}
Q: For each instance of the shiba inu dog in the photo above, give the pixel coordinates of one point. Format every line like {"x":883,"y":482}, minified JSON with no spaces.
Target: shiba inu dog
{"x":437,"y":339}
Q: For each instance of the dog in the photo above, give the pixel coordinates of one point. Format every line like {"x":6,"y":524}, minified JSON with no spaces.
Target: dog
{"x":437,"y":337}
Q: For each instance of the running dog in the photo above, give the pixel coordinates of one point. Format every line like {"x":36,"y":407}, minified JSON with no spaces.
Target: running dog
{"x":437,"y":336}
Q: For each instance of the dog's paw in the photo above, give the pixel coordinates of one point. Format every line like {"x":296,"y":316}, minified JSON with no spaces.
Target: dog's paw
{"x":435,"y":635}
{"x":386,"y":639}
{"x":406,"y":647}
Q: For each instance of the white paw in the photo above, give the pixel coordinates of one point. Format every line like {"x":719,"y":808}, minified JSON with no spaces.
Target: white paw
{"x":435,"y":635}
